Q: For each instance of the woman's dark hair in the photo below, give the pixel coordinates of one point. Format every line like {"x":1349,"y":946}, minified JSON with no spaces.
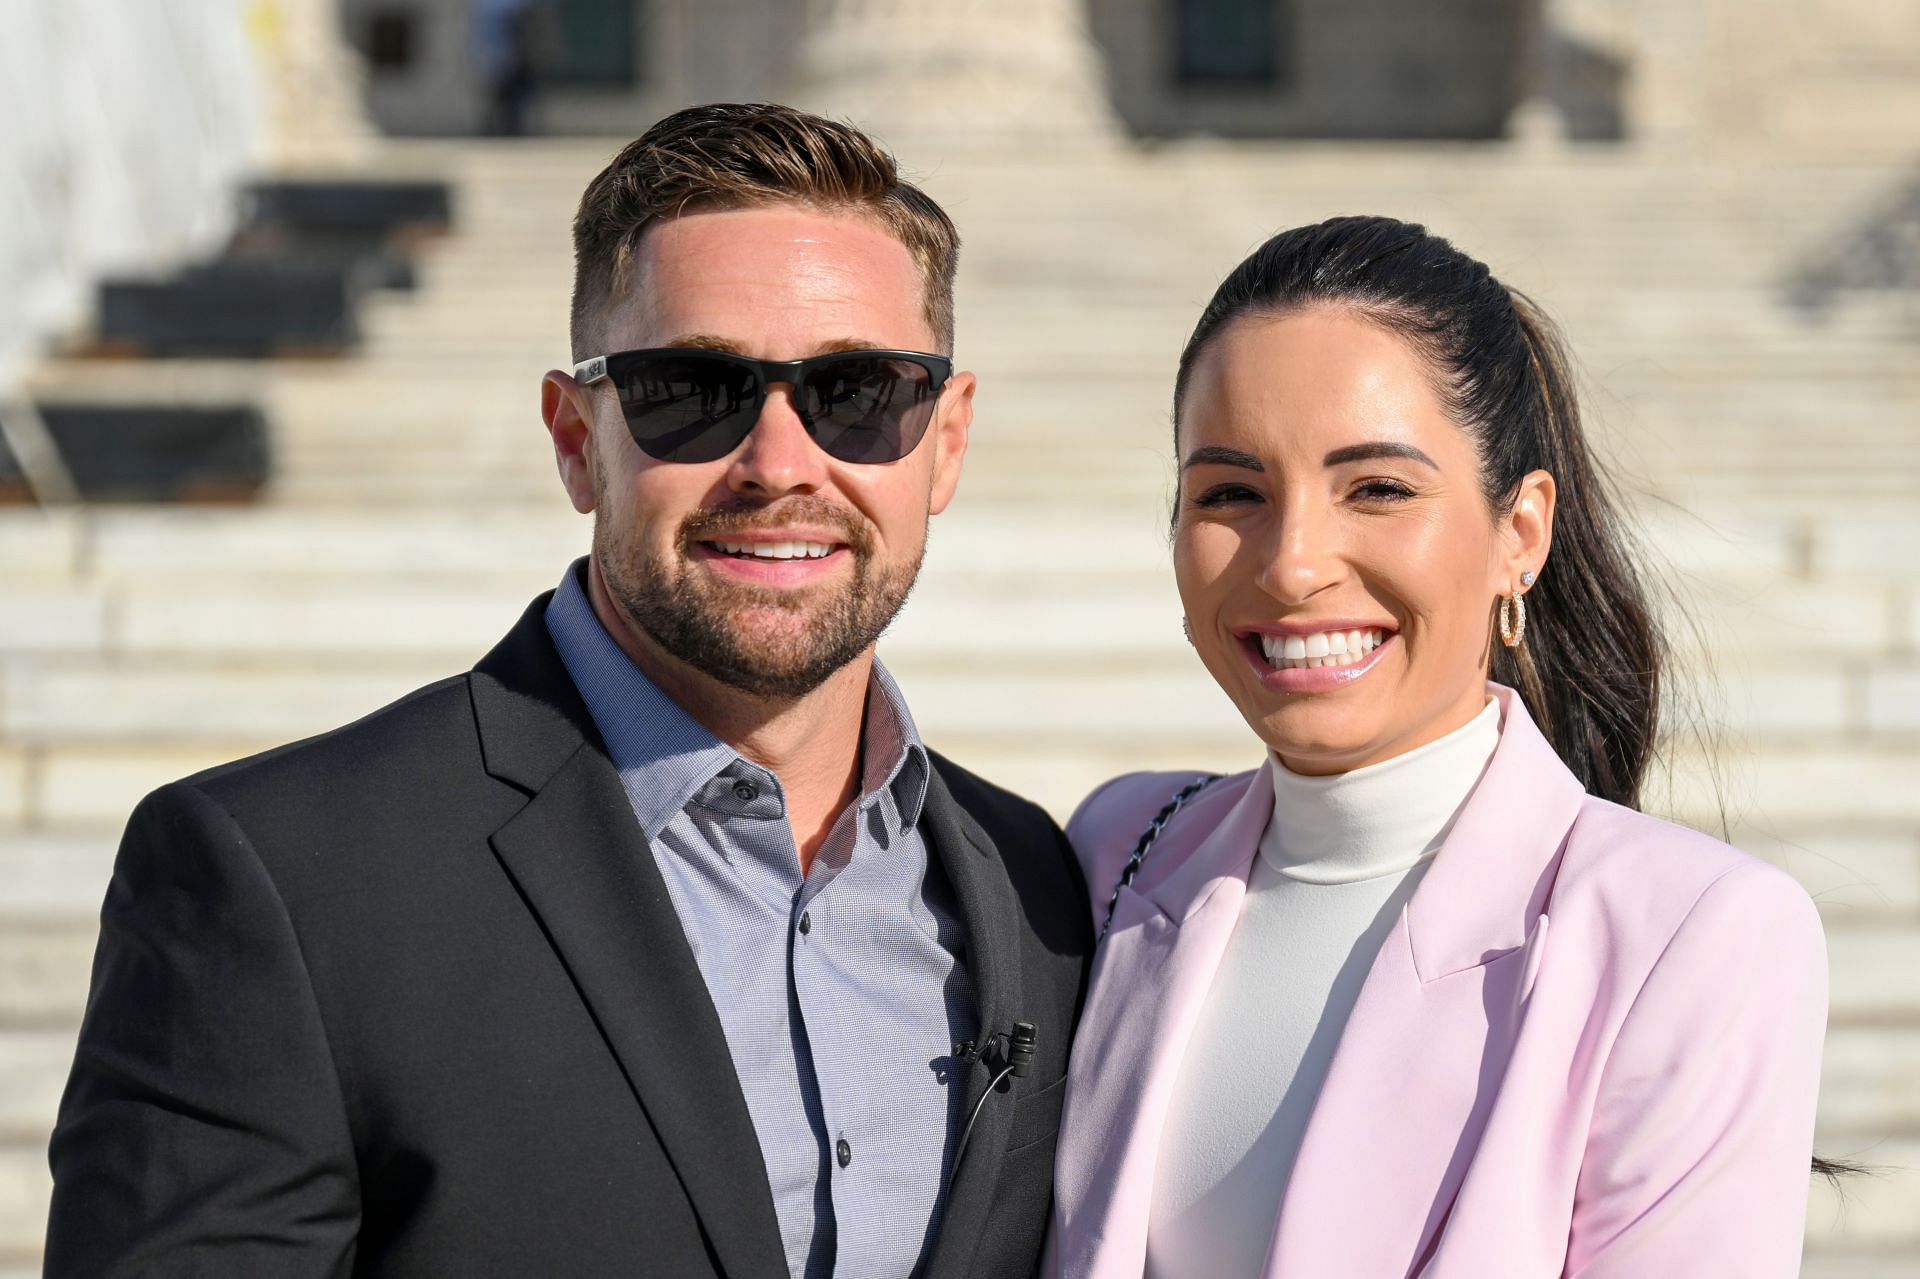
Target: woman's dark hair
{"x":1589,"y":672}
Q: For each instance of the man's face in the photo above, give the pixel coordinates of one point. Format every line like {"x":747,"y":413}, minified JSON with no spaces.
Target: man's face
{"x":775,"y":566}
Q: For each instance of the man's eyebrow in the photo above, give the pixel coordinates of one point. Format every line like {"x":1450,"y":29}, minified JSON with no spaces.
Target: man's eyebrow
{"x":838,"y":345}
{"x":712,"y":342}
{"x":1221,"y":456}
{"x":1378,"y":449}
{"x":706,"y":342}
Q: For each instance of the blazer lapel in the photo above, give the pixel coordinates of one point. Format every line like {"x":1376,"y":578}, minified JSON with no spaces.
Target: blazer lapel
{"x":587,"y":872}
{"x":1149,"y":983}
{"x":1424,"y":1052}
{"x":988,"y":909}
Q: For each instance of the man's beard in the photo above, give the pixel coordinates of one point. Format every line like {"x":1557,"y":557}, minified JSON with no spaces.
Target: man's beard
{"x":695,"y":617}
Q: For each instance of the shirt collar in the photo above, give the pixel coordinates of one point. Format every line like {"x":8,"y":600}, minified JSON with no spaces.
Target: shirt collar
{"x":895,"y":757}
{"x":663,"y":754}
{"x":665,"y":757}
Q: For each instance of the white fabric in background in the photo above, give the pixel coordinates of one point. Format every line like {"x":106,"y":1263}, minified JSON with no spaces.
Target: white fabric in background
{"x":130,"y":125}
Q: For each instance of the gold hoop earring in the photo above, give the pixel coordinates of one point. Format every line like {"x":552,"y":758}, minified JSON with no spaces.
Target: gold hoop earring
{"x":1513,"y":629}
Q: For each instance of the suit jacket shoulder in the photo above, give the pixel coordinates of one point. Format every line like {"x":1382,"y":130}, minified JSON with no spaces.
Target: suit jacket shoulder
{"x":1106,"y":827}
{"x":363,"y":802}
{"x":1640,"y":880}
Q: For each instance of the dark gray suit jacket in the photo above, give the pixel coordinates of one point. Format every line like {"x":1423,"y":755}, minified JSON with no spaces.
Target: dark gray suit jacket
{"x":410,"y":999}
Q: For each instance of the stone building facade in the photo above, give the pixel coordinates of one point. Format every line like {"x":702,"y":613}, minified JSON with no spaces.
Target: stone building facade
{"x":1813,"y":75}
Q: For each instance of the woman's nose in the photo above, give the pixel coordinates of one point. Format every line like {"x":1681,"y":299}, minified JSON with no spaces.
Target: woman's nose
{"x":1300,"y":558}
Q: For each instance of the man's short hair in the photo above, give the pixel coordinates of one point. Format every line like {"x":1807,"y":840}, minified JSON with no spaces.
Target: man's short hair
{"x":737,"y":156}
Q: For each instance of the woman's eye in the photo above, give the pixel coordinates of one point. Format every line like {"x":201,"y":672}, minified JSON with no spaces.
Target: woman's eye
{"x":1382,"y":491}
{"x":1225,"y":495}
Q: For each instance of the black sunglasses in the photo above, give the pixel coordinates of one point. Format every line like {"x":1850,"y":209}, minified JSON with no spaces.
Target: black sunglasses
{"x":685,"y":404}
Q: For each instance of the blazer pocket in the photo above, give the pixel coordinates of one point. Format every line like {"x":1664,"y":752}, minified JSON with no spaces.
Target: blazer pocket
{"x":1036,"y":1116}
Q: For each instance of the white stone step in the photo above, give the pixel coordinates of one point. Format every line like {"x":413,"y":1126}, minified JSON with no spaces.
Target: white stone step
{"x":26,"y":1188}
{"x":33,"y":1069}
{"x":1823,"y":1264}
{"x":1869,"y":1083}
{"x":14,"y":785}
{"x":44,"y":965}
{"x":1858,"y":873}
{"x":55,"y":878}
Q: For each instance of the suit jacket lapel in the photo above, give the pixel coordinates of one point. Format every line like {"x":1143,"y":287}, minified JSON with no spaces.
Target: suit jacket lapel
{"x":1423,"y":1054}
{"x":1149,"y":983}
{"x":586,"y":871}
{"x":989,"y":909}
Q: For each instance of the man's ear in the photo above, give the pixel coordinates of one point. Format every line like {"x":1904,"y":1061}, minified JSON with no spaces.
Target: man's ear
{"x":952,"y":423}
{"x":568,"y":409}
{"x":1528,"y":535}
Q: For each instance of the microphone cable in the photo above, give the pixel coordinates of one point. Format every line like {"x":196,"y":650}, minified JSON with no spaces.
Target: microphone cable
{"x":1020,"y":1048}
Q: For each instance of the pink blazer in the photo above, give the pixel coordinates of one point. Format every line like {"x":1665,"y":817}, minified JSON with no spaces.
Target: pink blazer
{"x":1589,"y":1047}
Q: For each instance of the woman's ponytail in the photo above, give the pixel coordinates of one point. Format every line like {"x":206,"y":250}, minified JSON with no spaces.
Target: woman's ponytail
{"x":1590,"y":666}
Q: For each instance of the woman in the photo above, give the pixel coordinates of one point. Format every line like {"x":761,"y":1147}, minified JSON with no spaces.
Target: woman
{"x":1423,"y":994}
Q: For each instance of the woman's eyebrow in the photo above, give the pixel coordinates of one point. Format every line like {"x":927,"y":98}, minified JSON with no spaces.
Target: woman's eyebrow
{"x":1224,"y":457}
{"x":1378,"y":449}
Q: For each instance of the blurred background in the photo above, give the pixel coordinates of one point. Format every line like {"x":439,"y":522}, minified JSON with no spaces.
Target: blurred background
{"x":278,"y":279}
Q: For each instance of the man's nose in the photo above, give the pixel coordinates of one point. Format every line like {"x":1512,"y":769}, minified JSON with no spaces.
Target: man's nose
{"x":778,"y":456}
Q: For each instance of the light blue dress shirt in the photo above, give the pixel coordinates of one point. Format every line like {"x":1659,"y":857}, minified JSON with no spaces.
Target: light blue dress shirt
{"x":842,"y":994}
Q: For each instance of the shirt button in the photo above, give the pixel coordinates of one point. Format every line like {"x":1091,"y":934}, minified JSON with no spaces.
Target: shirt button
{"x":745,"y":791}
{"x":843,"y":1152}
{"x":806,"y":926}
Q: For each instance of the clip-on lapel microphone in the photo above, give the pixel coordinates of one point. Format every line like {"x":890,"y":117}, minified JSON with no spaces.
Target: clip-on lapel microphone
{"x":1006,"y":1055}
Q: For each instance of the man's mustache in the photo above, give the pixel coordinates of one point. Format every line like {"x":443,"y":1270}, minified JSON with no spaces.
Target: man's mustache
{"x":749,"y":516}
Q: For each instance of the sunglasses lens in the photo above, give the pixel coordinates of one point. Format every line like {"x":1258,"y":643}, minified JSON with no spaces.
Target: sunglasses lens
{"x":868,"y":409}
{"x":688,"y":408}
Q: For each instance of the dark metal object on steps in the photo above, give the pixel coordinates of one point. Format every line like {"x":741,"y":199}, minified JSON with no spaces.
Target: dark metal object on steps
{"x":418,"y":207}
{"x":122,"y":453}
{"x":380,"y":260}
{"x":237,"y":308}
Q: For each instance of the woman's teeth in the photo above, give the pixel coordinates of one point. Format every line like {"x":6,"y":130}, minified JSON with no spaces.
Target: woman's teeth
{"x":776,"y":550}
{"x":1328,"y":648}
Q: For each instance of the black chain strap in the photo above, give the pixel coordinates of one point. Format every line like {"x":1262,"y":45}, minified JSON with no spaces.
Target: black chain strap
{"x":1147,"y":838}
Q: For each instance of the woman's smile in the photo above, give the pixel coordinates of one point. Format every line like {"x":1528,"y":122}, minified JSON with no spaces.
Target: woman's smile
{"x":1314,"y":658}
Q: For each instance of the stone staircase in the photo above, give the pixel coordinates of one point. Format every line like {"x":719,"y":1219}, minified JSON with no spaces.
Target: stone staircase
{"x":1775,"y":463}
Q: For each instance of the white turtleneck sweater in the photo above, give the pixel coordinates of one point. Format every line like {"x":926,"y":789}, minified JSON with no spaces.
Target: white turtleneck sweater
{"x":1338,"y":861}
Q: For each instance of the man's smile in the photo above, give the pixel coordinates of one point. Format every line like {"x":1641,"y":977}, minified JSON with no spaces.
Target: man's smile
{"x":774,"y":557}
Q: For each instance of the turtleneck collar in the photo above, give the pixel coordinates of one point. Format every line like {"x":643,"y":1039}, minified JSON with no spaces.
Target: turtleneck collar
{"x":1378,"y":820}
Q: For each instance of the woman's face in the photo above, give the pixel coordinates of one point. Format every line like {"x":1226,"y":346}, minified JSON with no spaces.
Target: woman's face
{"x":1335,"y":555}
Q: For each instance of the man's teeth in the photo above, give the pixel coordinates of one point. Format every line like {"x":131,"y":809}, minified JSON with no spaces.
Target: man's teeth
{"x":1328,"y":648}
{"x":777,"y":550}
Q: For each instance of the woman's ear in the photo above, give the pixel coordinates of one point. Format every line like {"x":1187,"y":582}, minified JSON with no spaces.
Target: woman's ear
{"x":1528,"y":532}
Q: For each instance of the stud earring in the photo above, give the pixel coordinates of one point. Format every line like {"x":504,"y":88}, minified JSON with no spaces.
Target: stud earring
{"x":1513,"y":629}
{"x":1526,"y":578}
{"x":1186,"y":629}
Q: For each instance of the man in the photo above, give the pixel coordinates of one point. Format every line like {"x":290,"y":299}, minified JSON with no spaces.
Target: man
{"x":657,"y":944}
